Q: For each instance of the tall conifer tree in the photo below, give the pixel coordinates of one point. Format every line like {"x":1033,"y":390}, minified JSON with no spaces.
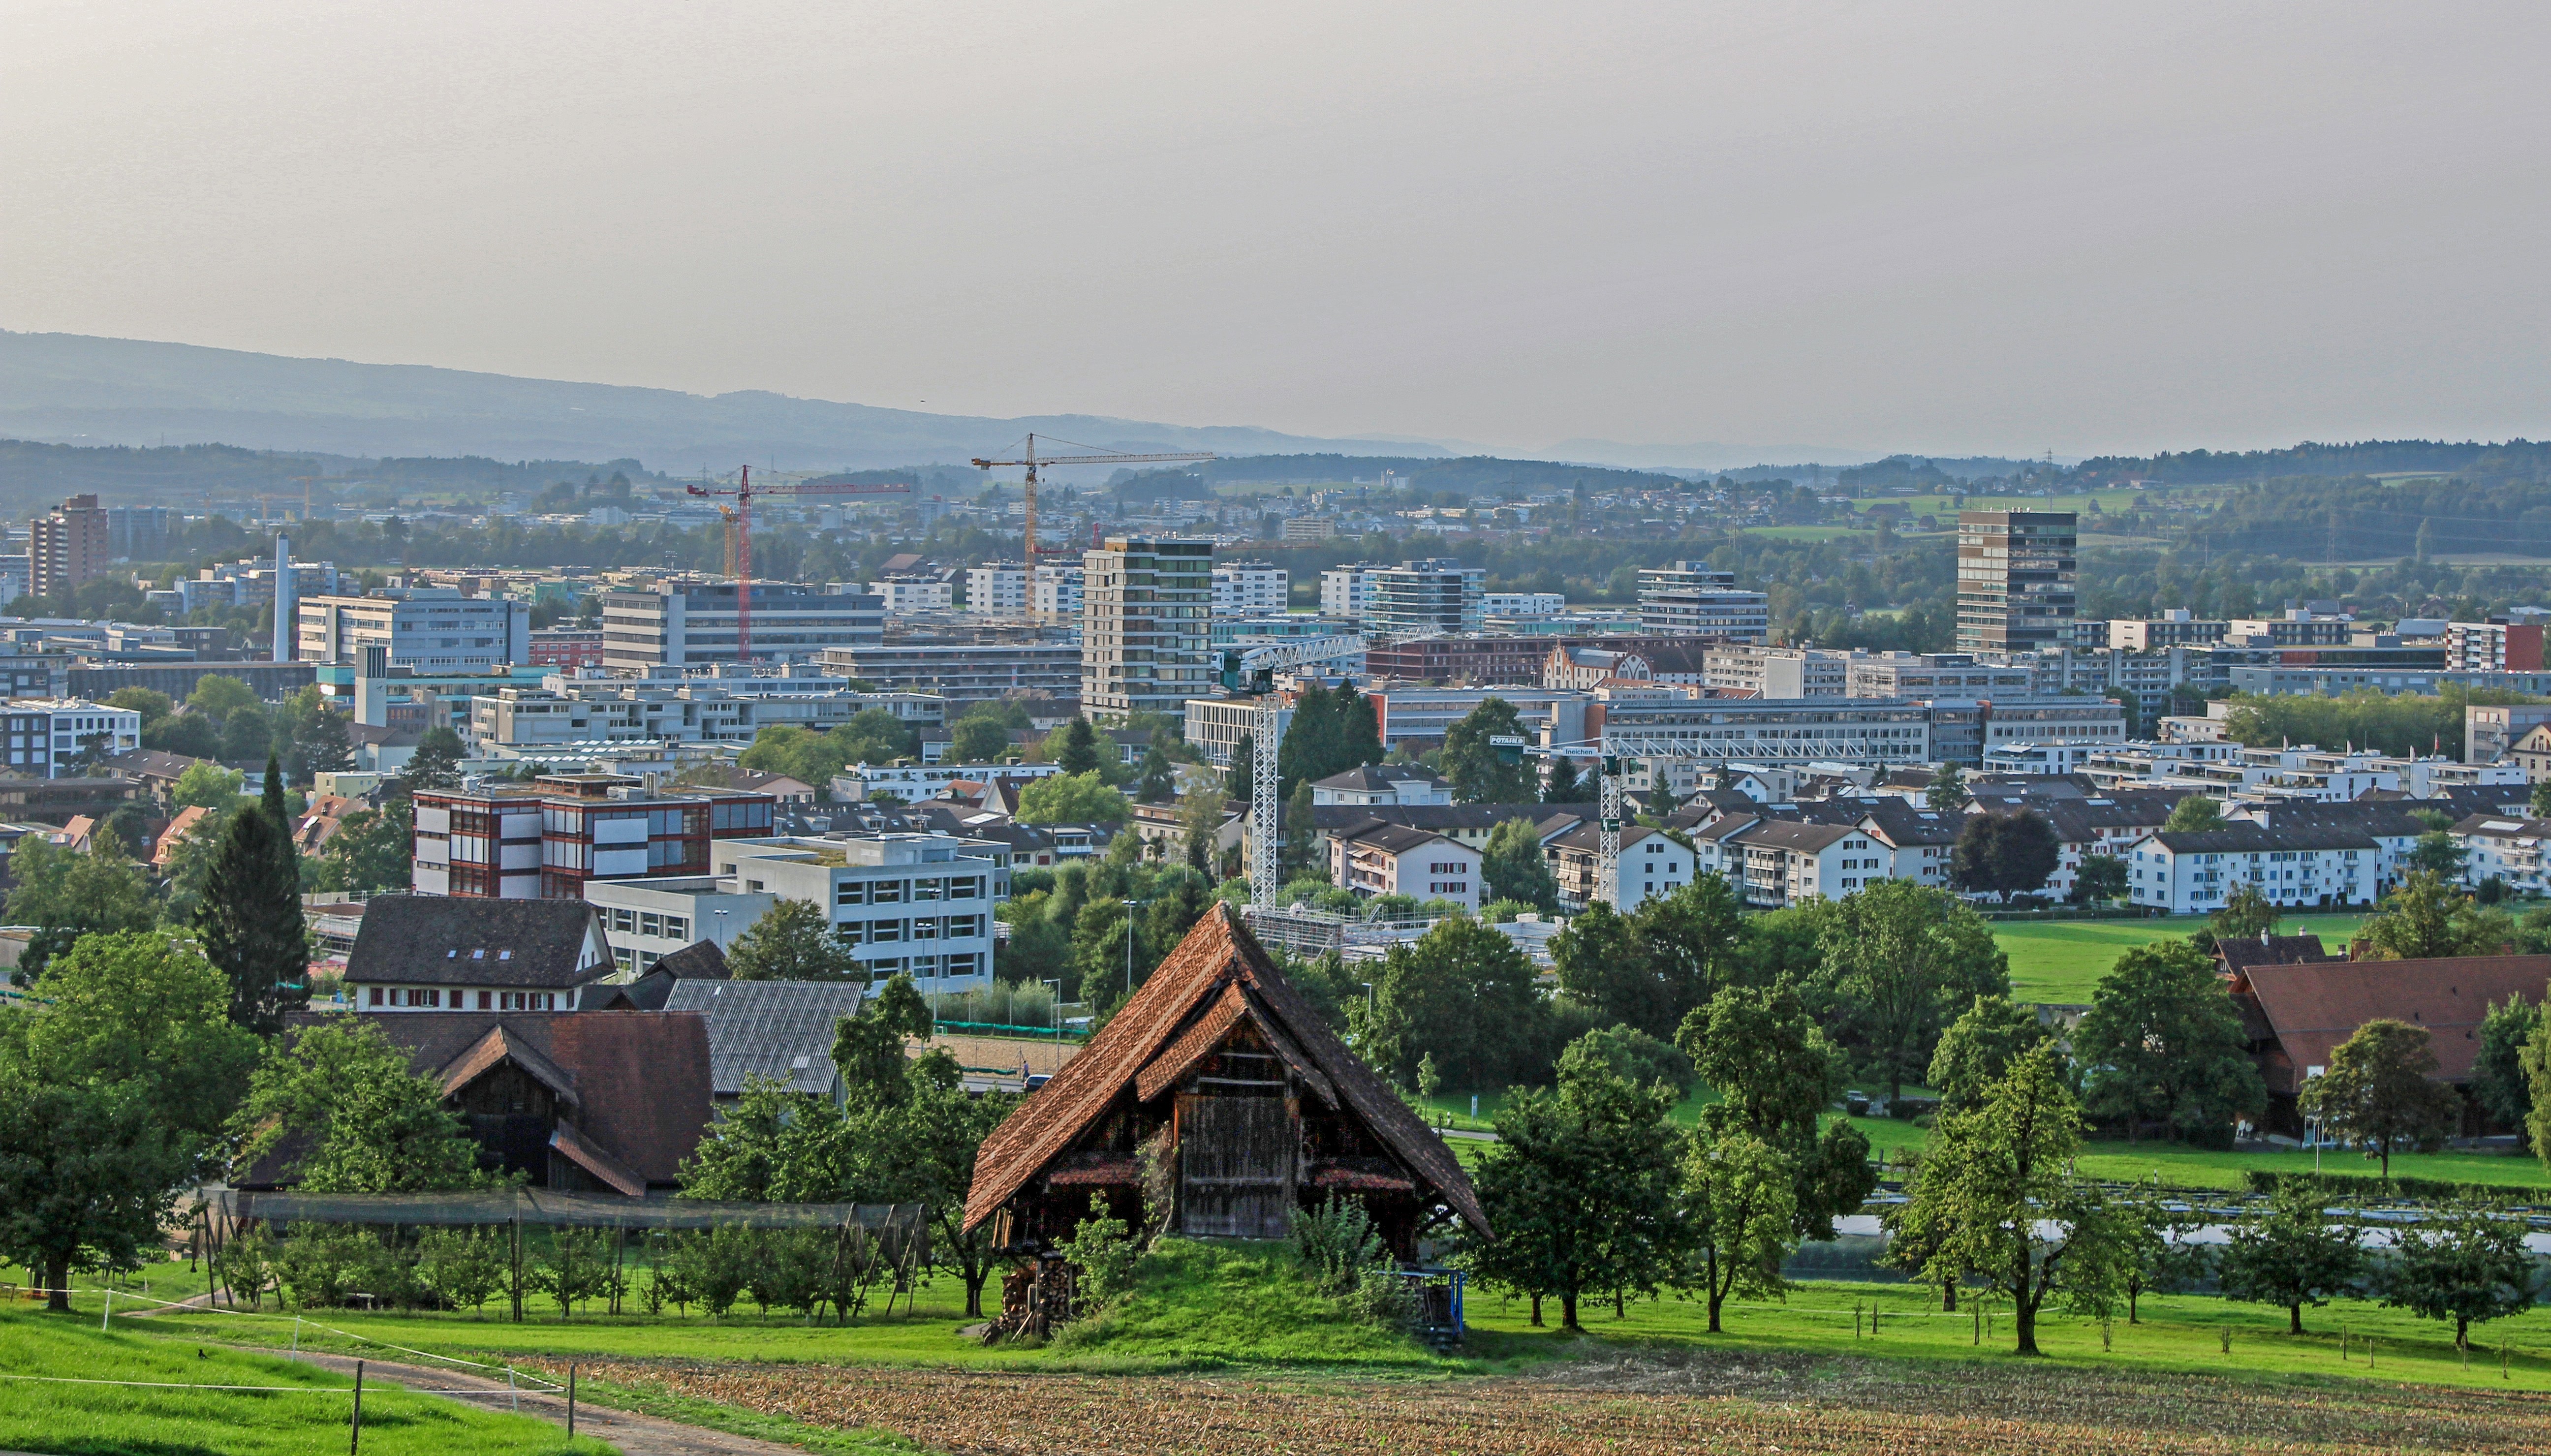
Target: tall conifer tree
{"x":251,"y":917}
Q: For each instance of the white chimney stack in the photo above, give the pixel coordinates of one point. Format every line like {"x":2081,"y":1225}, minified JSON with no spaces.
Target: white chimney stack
{"x":287,"y":608}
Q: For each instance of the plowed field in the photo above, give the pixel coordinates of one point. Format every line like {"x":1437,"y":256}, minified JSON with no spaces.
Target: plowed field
{"x":1639,"y":1407}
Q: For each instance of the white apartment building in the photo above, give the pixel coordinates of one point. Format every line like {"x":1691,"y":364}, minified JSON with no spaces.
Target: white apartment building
{"x":1651,"y":865}
{"x":1688,"y":598}
{"x":1250,"y":588}
{"x":2494,"y":646}
{"x":914,"y":592}
{"x":54,"y":738}
{"x":1392,"y":859}
{"x":1146,"y":626}
{"x":431,"y":629}
{"x":1424,"y":598}
{"x":1782,"y":862}
{"x":997,"y":588}
{"x":1056,"y":596}
{"x":1345,"y":591}
{"x":1773,"y":734}
{"x":2506,"y":848}
{"x":914,"y":903}
{"x":2194,"y":873}
{"x":913,"y":782}
{"x":1216,"y":725}
{"x":1381,"y":783}
{"x":694,"y":624}
{"x":567,"y":710}
{"x":1523,"y":603}
{"x":1782,"y":672}
{"x":1934,"y":674}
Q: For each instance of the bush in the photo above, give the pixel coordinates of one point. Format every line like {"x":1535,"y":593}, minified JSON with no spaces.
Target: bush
{"x":576,"y":1268}
{"x":248,"y":1266}
{"x":793,"y":1271}
{"x":316,"y":1264}
{"x":1104,"y":1249}
{"x":2348,"y":1186}
{"x":1336,"y":1242}
{"x":461,"y":1266}
{"x":713,"y":1266}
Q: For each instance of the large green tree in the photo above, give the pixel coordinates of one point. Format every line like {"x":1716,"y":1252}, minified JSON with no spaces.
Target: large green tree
{"x":792,"y":941}
{"x":1581,"y":1189}
{"x":2468,"y":1264}
{"x":2427,"y":917}
{"x":1776,"y":1074}
{"x":1976,"y":1050}
{"x":2291,"y":1255}
{"x":1516,"y":869}
{"x":1478,"y":772}
{"x":1995,"y":1199}
{"x":2004,"y":853}
{"x":251,"y":919}
{"x":1463,"y":994}
{"x":66,"y":895}
{"x":1900,"y":960}
{"x":2380,"y":1090}
{"x":342,"y":1100}
{"x":2164,"y":1043}
{"x":372,"y":849}
{"x":2499,"y":1080}
{"x":113,"y":1093}
{"x":1073,"y":798}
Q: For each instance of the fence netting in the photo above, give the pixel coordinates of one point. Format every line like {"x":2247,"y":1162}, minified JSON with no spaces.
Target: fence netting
{"x":545,"y":1208}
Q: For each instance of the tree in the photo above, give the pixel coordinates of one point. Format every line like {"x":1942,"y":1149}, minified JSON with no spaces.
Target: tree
{"x":2099,"y":879}
{"x":1977,"y":1049}
{"x":2469,"y":1266}
{"x":1776,"y":1074}
{"x":2499,"y":1080}
{"x":2194,"y":814}
{"x":359,"y":1122}
{"x":1200,"y":829}
{"x":1993,"y":1198}
{"x":792,"y":941}
{"x":372,"y":849}
{"x":2437,"y":853}
{"x":1037,"y":947}
{"x":325,"y":747}
{"x":250,"y":918}
{"x":869,"y":1045}
{"x":1474,"y":767}
{"x":1741,"y":1210}
{"x":1901,"y":959}
{"x":2163,"y":1041}
{"x":1561,"y":786}
{"x":1579,"y":1189}
{"x":2378,"y":1090}
{"x":2291,"y":1256}
{"x":248,"y":734}
{"x":2004,"y":853}
{"x":2160,"y":1254}
{"x":1947,"y":791}
{"x":1158,"y":782}
{"x":1075,"y":748}
{"x":2541,"y":799}
{"x":206,"y":785}
{"x":1298,"y":821}
{"x":977,"y":739}
{"x":1514,"y":868}
{"x":1073,"y":798}
{"x":217,"y":698}
{"x":2425,"y":917}
{"x":2246,"y":915}
{"x":1463,"y":992}
{"x":112,"y":1099}
{"x":66,"y":895}
{"x":152,"y":705}
{"x":1692,"y":944}
{"x":770,"y":1145}
{"x":436,"y":764}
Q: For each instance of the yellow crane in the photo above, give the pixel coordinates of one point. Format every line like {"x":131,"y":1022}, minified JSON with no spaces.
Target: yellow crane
{"x":1091,"y":456}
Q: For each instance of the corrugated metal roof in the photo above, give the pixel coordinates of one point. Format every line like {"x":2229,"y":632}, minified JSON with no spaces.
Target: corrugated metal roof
{"x":780,"y":1029}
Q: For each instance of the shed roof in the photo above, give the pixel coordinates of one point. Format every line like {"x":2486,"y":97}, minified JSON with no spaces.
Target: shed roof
{"x":2314,"y":1005}
{"x":1218,"y":957}
{"x":455,"y":940}
{"x":780,"y":1029}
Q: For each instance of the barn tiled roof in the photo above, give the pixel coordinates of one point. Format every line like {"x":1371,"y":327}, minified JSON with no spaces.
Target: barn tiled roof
{"x":455,"y":940}
{"x":1218,"y":958}
{"x":780,"y":1029}
{"x":2314,"y":1005}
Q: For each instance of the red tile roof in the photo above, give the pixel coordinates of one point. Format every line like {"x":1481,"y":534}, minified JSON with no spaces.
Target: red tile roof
{"x":2314,"y":1005}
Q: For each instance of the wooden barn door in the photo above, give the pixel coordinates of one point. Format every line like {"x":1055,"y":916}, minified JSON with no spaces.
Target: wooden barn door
{"x":1235,"y":1165}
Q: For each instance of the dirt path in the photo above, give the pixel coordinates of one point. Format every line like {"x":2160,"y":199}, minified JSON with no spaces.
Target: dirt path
{"x":1622,"y":1408}
{"x":635,"y":1435}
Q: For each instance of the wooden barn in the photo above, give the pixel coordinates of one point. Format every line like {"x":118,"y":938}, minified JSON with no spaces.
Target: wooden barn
{"x":1219,"y":1089}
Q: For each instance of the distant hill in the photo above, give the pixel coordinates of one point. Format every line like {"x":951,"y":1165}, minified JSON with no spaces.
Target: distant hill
{"x":72,"y":388}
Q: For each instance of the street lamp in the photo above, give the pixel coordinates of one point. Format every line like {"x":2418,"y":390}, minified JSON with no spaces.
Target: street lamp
{"x":1129,"y":946}
{"x":1054,"y":1009}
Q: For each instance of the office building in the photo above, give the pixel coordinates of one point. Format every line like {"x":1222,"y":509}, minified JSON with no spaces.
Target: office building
{"x":1770,"y":734}
{"x":1250,"y":588}
{"x":58,"y":738}
{"x":1934,"y":674}
{"x":2016,"y":581}
{"x":566,"y":647}
{"x":1691,"y":598}
{"x":694,"y":624}
{"x":436,"y":629}
{"x":1055,"y":594}
{"x":2178,"y":627}
{"x":903,"y":593}
{"x":916,"y":905}
{"x":1345,"y":591}
{"x":962,"y":666}
{"x":1523,"y":603}
{"x":1754,"y":671}
{"x":997,"y":589}
{"x":1422,"y":599}
{"x":550,"y":839}
{"x":1145,"y":643}
{"x":67,"y":545}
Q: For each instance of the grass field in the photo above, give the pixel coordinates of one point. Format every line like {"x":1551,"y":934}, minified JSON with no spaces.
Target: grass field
{"x":2060,"y":961}
{"x":46,"y":1410}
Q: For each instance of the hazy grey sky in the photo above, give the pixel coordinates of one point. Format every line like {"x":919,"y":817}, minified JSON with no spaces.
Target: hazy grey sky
{"x":1944,"y":225}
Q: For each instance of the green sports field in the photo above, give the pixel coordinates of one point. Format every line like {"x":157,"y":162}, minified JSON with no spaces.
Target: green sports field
{"x":2060,"y":961}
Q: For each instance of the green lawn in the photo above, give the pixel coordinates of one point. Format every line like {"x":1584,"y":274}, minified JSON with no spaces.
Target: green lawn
{"x":43,"y":1411}
{"x":2060,"y":961}
{"x":1806,"y":532}
{"x":2180,"y":1167}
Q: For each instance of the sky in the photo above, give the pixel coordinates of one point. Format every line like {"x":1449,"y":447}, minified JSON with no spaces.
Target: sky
{"x":1947,"y":226}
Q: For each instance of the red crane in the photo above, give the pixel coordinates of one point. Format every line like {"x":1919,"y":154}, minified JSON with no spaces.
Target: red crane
{"x":744,"y":493}
{"x":1096,"y":457}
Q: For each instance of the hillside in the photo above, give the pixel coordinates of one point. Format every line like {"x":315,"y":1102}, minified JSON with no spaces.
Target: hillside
{"x":123,"y":391}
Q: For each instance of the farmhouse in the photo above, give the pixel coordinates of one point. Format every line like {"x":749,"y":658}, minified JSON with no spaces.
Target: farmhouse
{"x":1224,"y":1082}
{"x":439,"y":953}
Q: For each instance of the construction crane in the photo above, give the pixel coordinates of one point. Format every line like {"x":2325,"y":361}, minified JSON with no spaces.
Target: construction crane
{"x":1094,"y":456}
{"x":740,"y":532}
